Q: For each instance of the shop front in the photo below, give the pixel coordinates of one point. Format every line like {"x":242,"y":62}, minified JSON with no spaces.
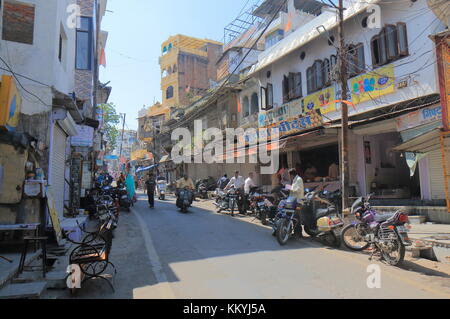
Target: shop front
{"x":391,"y":172}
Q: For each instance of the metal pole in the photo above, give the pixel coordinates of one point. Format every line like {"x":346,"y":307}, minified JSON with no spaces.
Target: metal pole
{"x":96,"y":52}
{"x":344,"y":108}
{"x":123,"y":130}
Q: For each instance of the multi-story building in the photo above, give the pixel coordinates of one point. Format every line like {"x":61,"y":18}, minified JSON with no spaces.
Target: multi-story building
{"x":40,"y":49}
{"x":392,"y":80}
{"x":188,"y":69}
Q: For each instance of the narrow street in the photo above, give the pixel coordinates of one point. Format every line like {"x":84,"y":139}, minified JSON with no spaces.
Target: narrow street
{"x":206,"y":255}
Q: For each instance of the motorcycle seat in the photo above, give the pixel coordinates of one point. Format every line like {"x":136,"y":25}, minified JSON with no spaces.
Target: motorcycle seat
{"x":382,"y":218}
{"x":322,"y":212}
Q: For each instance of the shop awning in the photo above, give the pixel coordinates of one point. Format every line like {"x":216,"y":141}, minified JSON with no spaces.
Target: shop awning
{"x":424,"y":143}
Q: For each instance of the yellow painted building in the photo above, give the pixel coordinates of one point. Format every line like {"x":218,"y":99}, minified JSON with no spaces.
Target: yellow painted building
{"x":173,"y":86}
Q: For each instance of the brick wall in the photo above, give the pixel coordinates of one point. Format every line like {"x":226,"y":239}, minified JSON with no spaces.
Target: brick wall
{"x":86,"y":7}
{"x":18,"y":22}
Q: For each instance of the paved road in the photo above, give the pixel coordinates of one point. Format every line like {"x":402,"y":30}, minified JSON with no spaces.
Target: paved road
{"x":206,"y":255}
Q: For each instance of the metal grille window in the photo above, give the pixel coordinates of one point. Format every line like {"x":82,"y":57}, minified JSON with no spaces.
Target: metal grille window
{"x":84,"y":50}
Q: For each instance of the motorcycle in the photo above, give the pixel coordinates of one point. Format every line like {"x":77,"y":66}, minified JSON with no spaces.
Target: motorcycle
{"x":321,"y":222}
{"x":184,"y":199}
{"x":287,"y":222}
{"x":227,"y":200}
{"x":386,"y":234}
{"x":202,"y":190}
{"x":261,"y":206}
{"x":161,"y":186}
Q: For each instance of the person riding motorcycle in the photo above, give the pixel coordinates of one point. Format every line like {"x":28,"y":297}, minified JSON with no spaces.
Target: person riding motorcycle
{"x":185,"y":182}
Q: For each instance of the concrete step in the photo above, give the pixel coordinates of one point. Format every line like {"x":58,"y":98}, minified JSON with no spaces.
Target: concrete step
{"x":23,"y":291}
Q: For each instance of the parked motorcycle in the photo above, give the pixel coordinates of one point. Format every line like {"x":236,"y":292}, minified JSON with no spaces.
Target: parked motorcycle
{"x":227,"y":200}
{"x":202,"y":190}
{"x":287,"y":222}
{"x":184,"y":199}
{"x":386,"y":234}
{"x":161,"y":186}
{"x":261,"y":205}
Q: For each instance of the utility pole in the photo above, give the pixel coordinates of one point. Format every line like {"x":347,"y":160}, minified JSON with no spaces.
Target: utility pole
{"x":96,"y":53}
{"x":123,"y":130}
{"x":344,"y":108}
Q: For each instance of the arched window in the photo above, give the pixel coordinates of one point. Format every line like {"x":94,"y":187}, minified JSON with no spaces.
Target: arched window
{"x":164,"y":51}
{"x":246,"y":104}
{"x":254,"y":104}
{"x":169,"y":92}
{"x":174,"y":69}
{"x":169,"y":70}
{"x":311,"y":82}
{"x":170,"y":47}
{"x":164,"y":73}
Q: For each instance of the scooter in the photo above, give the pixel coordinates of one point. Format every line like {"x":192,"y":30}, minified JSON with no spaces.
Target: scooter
{"x":161,"y":187}
{"x":184,"y":199}
{"x":321,"y":222}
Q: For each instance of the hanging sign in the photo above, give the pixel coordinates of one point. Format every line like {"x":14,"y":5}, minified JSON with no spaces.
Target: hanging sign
{"x":322,"y":100}
{"x":10,"y":103}
{"x":372,"y":85}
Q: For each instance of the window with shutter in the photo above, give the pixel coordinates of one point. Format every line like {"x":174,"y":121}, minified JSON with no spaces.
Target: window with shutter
{"x":310,"y":80}
{"x":285,"y":86}
{"x":326,"y":72}
{"x":402,"y":39}
{"x":263,"y":95}
{"x":390,"y":44}
{"x":298,"y":85}
{"x":269,"y":96}
{"x":291,"y":86}
{"x":318,"y":71}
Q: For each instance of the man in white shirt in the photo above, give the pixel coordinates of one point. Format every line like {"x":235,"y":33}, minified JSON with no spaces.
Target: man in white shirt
{"x":298,"y":188}
{"x":249,"y":183}
{"x":238,"y":182}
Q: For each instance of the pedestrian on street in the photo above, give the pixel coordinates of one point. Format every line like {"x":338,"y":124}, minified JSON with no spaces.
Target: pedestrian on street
{"x":238,"y":182}
{"x":151,"y":186}
{"x":248,"y":186}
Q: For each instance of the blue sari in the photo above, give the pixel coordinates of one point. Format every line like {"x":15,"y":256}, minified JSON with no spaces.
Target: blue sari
{"x":129,"y":183}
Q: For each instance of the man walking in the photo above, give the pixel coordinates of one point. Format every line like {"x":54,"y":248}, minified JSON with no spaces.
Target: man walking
{"x":151,"y":185}
{"x":238,"y":182}
{"x":248,"y":186}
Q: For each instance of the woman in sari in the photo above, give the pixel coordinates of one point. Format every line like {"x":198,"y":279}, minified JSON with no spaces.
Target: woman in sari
{"x":130,"y":185}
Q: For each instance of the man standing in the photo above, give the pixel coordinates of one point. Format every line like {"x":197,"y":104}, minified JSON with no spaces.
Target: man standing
{"x":297,"y":192}
{"x":223,"y":182}
{"x":248,"y":186}
{"x":238,"y":182}
{"x":151,"y":185}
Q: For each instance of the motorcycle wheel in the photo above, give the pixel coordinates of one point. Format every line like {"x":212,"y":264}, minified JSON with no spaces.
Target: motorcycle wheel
{"x":330,"y":239}
{"x":263,"y":217}
{"x":184,"y":209}
{"x":283,"y":232}
{"x":399,"y":253}
{"x":352,"y":240}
